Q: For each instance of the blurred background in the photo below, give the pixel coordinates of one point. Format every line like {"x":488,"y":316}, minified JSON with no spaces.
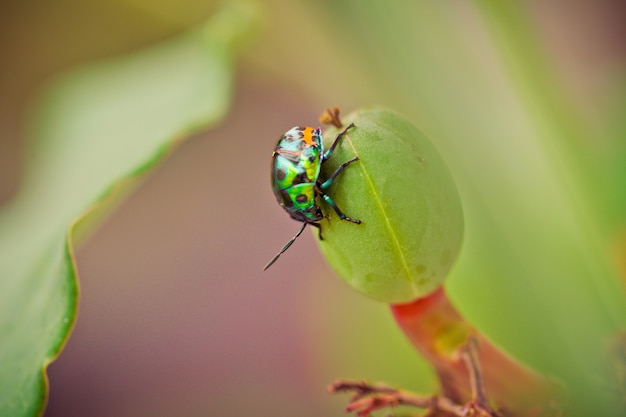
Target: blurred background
{"x":525,"y":101}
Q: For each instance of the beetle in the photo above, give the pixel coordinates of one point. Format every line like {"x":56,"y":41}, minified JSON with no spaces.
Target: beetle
{"x":296,"y":163}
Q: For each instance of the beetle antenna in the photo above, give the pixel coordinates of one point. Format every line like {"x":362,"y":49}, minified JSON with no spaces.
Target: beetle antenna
{"x":293,"y":239}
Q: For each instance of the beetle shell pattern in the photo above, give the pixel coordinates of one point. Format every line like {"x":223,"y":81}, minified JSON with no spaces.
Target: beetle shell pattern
{"x":296,"y":163}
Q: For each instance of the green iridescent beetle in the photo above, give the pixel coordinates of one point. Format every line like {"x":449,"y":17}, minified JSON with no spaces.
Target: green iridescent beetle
{"x":296,"y":164}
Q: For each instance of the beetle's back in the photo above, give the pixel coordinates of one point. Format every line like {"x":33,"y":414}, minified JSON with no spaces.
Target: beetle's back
{"x":297,"y":158}
{"x":295,"y":167}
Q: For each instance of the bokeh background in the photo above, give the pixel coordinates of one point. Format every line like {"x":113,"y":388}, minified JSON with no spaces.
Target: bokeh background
{"x":525,"y":102}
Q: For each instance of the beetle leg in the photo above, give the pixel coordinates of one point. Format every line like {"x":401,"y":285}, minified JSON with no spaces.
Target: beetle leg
{"x":319,"y":228}
{"x":330,"y":150}
{"x":341,"y":167}
{"x":342,"y":216}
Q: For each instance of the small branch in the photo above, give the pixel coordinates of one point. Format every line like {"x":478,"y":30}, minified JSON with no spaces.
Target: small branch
{"x":469,"y":354}
{"x":468,"y":365}
{"x":368,"y":398}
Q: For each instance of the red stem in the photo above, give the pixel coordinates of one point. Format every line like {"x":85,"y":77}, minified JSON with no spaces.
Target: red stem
{"x":438,"y":331}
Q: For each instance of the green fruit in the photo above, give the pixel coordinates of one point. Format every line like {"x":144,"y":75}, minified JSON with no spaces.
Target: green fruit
{"x":406,"y":198}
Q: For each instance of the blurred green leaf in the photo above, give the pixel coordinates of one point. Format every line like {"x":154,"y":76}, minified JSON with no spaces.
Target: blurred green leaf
{"x":95,"y":133}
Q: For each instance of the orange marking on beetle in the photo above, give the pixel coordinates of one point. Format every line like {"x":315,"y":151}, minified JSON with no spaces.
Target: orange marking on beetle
{"x":307,"y":135}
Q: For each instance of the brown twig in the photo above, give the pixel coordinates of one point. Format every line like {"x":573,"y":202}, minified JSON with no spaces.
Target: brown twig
{"x":368,"y":398}
{"x":480,"y":402}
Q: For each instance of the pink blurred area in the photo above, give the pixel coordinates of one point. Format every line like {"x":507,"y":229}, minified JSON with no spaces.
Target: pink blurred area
{"x":176,"y":317}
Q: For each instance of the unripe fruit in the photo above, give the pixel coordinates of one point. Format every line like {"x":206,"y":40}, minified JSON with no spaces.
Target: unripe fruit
{"x":407,"y":200}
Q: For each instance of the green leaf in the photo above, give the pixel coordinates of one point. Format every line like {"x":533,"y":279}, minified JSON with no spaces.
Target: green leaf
{"x":95,"y":134}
